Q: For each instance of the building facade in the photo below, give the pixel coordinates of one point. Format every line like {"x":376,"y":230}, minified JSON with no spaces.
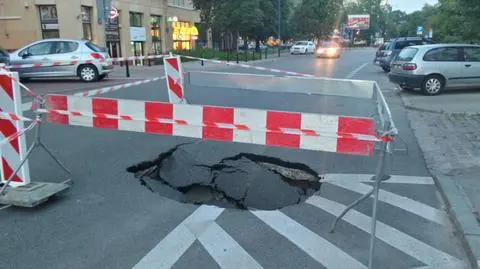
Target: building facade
{"x":134,"y":27}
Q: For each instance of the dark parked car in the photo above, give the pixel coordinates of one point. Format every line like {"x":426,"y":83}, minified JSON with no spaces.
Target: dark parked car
{"x":395,"y":45}
{"x":381,"y":52}
{"x":4,"y":57}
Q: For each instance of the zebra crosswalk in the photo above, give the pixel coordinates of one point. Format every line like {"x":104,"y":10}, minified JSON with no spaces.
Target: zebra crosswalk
{"x":411,"y":234}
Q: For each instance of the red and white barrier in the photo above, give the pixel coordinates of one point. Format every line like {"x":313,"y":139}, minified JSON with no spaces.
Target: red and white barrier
{"x":174,"y":75}
{"x":348,"y":135}
{"x":14,"y":151}
{"x":75,"y":62}
{"x":274,"y":70}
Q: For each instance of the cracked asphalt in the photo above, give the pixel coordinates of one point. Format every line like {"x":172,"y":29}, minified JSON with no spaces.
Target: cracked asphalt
{"x":109,"y":220}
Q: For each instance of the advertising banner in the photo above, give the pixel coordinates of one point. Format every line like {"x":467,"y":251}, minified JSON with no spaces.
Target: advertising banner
{"x":359,"y":22}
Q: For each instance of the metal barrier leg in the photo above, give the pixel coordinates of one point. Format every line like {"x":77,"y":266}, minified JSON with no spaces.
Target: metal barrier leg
{"x":352,"y":205}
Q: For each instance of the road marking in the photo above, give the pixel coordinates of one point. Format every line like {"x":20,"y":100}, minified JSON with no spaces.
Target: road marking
{"x":166,"y":253}
{"x":367,"y":178}
{"x":401,"y":241}
{"x":317,"y":247}
{"x":225,"y":250}
{"x":354,"y":72}
{"x":405,"y":203}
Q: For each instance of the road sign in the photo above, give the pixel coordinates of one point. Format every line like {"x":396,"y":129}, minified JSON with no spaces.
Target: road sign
{"x":419,"y":30}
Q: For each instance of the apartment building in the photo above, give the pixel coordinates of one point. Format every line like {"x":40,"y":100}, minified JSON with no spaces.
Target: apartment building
{"x":134,"y":27}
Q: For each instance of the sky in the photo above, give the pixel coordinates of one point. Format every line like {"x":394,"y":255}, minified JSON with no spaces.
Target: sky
{"x":410,"y":6}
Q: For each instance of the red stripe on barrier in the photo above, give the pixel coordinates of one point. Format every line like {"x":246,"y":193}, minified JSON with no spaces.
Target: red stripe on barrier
{"x":174,"y":63}
{"x":7,"y":171}
{"x":175,"y":87}
{"x":155,"y":111}
{"x":6,"y":84}
{"x":277,"y":120}
{"x":7,"y":128}
{"x":348,"y":144}
{"x":58,"y":102}
{"x":105,"y":106}
{"x":217,"y":115}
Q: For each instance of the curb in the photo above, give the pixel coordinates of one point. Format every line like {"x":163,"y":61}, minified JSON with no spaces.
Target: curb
{"x":461,"y":216}
{"x":408,"y":105}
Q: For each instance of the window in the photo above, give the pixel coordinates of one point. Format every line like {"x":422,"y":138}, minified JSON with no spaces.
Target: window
{"x":87,"y":22}
{"x":442,"y":55}
{"x":65,"y":47}
{"x":407,"y":54}
{"x":135,"y":19}
{"x":94,"y":47}
{"x":472,"y":54}
{"x":49,"y":21}
{"x":43,"y":48}
{"x":384,"y":46}
{"x":155,"y":30}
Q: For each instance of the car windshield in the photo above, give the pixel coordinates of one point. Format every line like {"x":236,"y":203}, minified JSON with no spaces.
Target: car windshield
{"x":407,"y":54}
{"x":384,"y":46}
{"x":301,"y":43}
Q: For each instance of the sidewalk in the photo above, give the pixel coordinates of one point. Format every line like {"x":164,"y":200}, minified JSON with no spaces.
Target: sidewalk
{"x":451,"y":146}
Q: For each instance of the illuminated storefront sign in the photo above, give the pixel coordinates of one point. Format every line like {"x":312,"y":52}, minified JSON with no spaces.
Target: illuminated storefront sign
{"x":183,"y":33}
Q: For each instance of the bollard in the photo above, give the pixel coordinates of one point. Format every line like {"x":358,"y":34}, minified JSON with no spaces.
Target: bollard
{"x":246,"y":56}
{"x":149,"y":62}
{"x":266,"y":53}
{"x":127,"y":70}
{"x":253,"y":55}
{"x":238,"y":60}
{"x":203,"y":57}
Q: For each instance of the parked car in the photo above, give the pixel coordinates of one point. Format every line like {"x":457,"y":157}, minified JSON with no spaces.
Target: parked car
{"x":4,"y":57}
{"x":329,"y":50}
{"x":433,"y":68}
{"x":381,"y":52}
{"x":395,"y":46}
{"x":62,"y":50}
{"x":302,"y":47}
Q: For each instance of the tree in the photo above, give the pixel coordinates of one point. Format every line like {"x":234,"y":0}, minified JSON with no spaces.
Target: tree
{"x":317,"y":18}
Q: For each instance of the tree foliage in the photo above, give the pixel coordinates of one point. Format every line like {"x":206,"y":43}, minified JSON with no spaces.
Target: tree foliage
{"x":317,"y":18}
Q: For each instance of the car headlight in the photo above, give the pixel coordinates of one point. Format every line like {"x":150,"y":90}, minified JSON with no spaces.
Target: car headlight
{"x":321,"y":51}
{"x":331,"y":51}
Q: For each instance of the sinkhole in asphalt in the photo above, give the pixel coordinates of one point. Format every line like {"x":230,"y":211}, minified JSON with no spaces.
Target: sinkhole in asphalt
{"x":244,"y":181}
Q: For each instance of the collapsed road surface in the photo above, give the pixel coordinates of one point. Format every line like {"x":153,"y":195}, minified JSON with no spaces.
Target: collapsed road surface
{"x":244,"y":181}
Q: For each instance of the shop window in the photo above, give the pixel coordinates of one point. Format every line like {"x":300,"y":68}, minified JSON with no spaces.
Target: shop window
{"x":49,"y":21}
{"x":87,"y":23}
{"x":184,"y":35}
{"x":155,"y":31}
{"x":135,"y":19}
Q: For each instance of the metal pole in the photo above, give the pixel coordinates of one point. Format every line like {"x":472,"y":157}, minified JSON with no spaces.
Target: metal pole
{"x":279,"y":26}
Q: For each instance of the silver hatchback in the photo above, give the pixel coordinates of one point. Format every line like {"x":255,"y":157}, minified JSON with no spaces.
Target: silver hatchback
{"x":433,"y":68}
{"x":62,"y":50}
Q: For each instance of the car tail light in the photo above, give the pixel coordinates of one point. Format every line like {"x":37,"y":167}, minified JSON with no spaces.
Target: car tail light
{"x":97,"y":56}
{"x":409,"y":67}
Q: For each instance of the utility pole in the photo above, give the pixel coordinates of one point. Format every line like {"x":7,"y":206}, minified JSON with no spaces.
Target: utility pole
{"x":279,"y":27}
{"x":164,"y":30}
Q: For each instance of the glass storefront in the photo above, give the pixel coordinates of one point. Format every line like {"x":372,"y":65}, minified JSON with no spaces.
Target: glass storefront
{"x":184,"y":35}
{"x":155,"y":30}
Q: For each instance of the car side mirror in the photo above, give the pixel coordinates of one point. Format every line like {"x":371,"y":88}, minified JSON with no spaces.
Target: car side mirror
{"x":26,"y":55}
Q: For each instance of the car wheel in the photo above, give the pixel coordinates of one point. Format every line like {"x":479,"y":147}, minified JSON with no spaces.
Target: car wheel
{"x":433,"y":85}
{"x":88,"y":73}
{"x":386,"y":69}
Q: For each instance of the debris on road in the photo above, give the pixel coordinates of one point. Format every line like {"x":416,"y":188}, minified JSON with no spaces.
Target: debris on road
{"x":243,"y":181}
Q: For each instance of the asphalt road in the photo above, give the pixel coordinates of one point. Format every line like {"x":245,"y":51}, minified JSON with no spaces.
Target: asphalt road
{"x":109,"y":220}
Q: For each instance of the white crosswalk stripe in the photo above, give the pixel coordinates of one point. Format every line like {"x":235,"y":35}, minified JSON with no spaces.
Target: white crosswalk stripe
{"x":227,"y":253}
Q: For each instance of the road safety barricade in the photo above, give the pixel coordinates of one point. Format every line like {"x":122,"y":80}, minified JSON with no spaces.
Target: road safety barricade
{"x":14,"y":147}
{"x":273,"y":70}
{"x":75,"y":62}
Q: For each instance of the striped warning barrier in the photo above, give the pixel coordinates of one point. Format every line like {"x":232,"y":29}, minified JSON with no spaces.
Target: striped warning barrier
{"x":274,"y":70}
{"x":174,"y":74}
{"x":14,"y":151}
{"x":330,"y":133}
{"x":75,"y":62}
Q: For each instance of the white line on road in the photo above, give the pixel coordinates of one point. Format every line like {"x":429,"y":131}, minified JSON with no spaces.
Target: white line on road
{"x":225,"y":250}
{"x":367,"y":178}
{"x":395,"y":238}
{"x":26,"y":106}
{"x":354,"y":72}
{"x":405,"y":203}
{"x":317,"y":247}
{"x":172,"y":247}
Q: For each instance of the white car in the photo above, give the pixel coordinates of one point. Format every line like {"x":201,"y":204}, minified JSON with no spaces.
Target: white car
{"x":303,"y":47}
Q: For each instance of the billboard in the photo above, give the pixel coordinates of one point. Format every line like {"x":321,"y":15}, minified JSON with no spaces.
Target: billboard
{"x":360,"y":22}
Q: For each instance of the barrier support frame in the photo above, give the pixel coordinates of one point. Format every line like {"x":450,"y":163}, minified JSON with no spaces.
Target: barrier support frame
{"x":33,"y":193}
